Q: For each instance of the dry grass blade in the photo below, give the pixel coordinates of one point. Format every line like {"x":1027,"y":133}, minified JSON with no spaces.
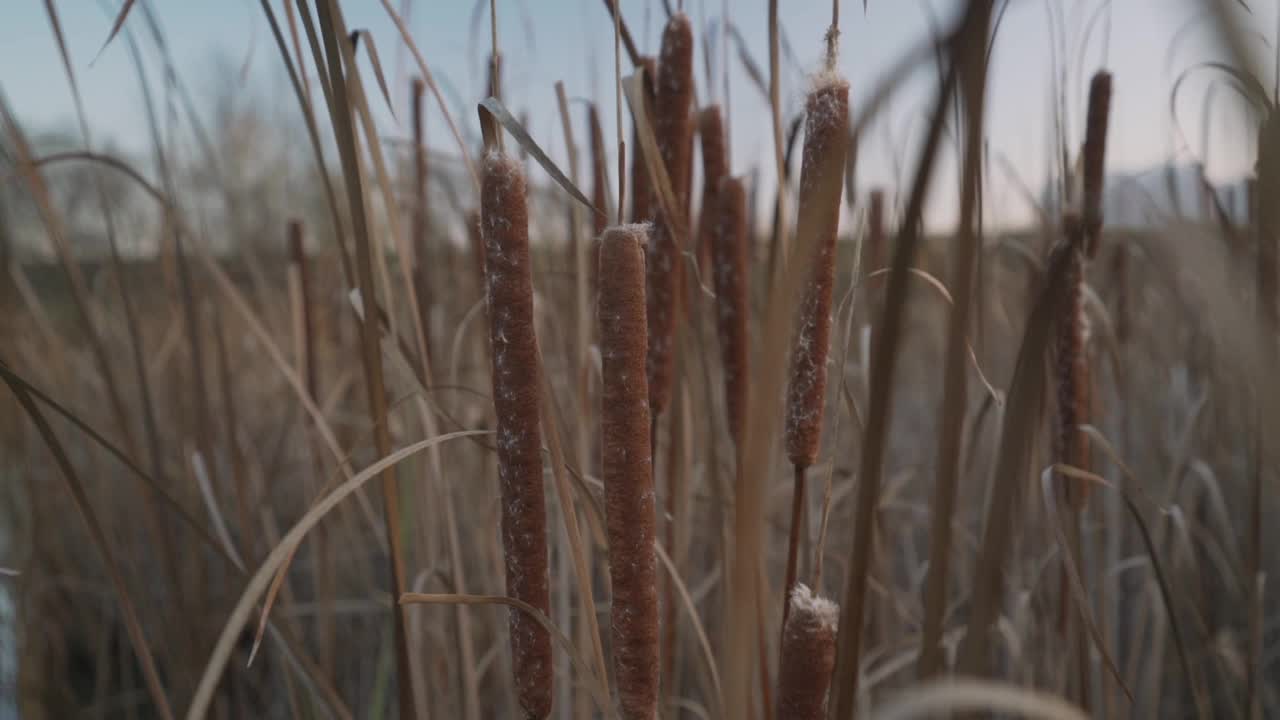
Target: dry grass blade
{"x":115,"y":26}
{"x":1076,"y":584}
{"x":274,"y":560}
{"x":598,"y":694}
{"x":372,"y":51}
{"x":883,"y":369}
{"x":1022,"y":416}
{"x":952,"y":695}
{"x":499,"y":113}
{"x":84,"y":508}
{"x":955,"y":388}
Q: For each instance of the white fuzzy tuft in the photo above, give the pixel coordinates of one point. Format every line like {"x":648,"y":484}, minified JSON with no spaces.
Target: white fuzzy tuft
{"x":805,"y":602}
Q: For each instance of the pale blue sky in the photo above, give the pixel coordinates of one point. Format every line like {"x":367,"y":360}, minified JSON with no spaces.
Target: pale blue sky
{"x":570,"y":40}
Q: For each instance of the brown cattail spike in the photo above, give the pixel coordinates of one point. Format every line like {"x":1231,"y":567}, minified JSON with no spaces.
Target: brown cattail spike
{"x":1072,"y":366}
{"x":672,"y":126}
{"x":1095,"y":154}
{"x":826,"y":134}
{"x":714,"y":168}
{"x":808,"y":656}
{"x":505,"y":229}
{"x":730,"y":275}
{"x":628,"y":474}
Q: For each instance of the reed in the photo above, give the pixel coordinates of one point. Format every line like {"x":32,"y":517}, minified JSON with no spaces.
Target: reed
{"x":628,"y":470}
{"x":419,"y":242}
{"x":514,"y":346}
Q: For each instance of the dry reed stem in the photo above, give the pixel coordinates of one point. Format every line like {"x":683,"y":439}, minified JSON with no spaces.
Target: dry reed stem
{"x":418,"y":243}
{"x":628,"y":476}
{"x":731,"y":277}
{"x":641,"y":191}
{"x":599,"y":173}
{"x":808,"y":656}
{"x":825,"y":135}
{"x":505,"y":229}
{"x":714,"y":168}
{"x":674,"y":94}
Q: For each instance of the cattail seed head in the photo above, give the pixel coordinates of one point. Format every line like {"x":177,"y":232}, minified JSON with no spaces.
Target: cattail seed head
{"x":628,"y":472}
{"x":505,"y":230}
{"x":826,"y":136}
{"x":808,"y":656}
{"x":674,"y":94}
{"x":714,"y":168}
{"x":1071,"y":445}
{"x":731,"y":277}
{"x":1095,"y":154}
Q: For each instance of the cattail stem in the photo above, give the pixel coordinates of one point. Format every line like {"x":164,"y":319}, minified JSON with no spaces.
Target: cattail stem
{"x":808,"y":656}
{"x":505,"y":229}
{"x":628,"y":473}
{"x":793,"y":543}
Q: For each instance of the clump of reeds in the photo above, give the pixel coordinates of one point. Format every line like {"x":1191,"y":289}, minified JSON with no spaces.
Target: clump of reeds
{"x":673,"y":96}
{"x":826,"y":135}
{"x":731,"y":277}
{"x":505,"y":230}
{"x":628,"y":475}
{"x":808,"y":656}
{"x":714,"y":168}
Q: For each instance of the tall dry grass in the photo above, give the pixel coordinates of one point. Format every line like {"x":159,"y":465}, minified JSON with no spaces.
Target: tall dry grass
{"x":187,"y":441}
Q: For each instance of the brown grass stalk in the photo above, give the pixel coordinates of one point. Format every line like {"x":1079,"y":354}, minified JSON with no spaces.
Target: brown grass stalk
{"x":808,"y":656}
{"x":505,"y":229}
{"x":673,"y":96}
{"x":641,"y":192}
{"x":628,"y":477}
{"x":826,"y":135}
{"x":418,"y":240}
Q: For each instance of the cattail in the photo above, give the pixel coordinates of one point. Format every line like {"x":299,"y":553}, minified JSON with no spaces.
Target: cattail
{"x":505,"y":229}
{"x":1095,"y":154}
{"x":714,"y":168}
{"x":628,"y":476}
{"x":1071,"y":363}
{"x":641,"y":193}
{"x":825,"y":144}
{"x":826,"y":133}
{"x":674,"y":93}
{"x":731,"y":277}
{"x":808,"y":656}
